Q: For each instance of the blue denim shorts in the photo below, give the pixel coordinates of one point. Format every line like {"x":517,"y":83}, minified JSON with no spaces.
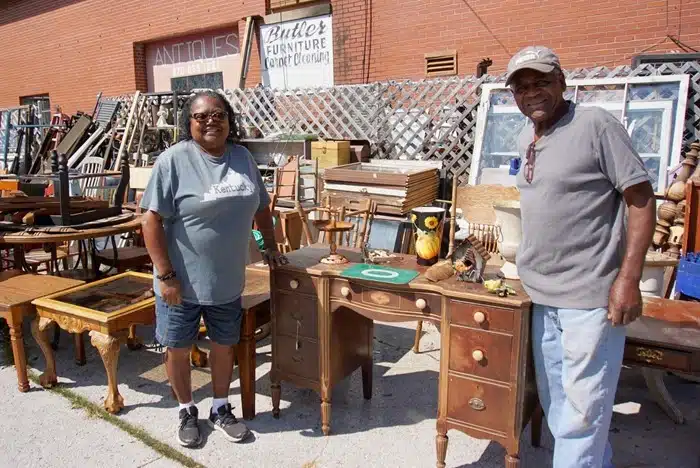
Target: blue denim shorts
{"x":178,"y":326}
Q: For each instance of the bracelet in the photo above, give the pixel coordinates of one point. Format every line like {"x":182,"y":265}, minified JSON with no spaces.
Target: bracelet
{"x":170,"y":275}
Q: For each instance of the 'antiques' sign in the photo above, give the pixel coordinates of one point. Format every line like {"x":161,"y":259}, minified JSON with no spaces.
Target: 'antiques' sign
{"x":298,"y":54}
{"x":197,"y":55}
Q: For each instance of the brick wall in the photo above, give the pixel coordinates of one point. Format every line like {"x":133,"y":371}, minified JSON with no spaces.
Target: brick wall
{"x":390,"y":42}
{"x":73,"y":49}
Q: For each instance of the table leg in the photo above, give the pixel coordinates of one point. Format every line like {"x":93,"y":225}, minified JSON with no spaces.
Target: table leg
{"x":536,"y":426}
{"x":198,"y":357}
{"x":133,"y":342}
{"x":654,"y":379}
{"x":246,"y":364}
{"x":512,"y":461}
{"x":367,"y":379}
{"x":416,"y":339}
{"x":441,"y":448}
{"x":17,"y":340}
{"x":276,"y":391}
{"x":325,"y":410}
{"x":39,"y":325}
{"x":79,"y":346}
{"x":108,"y":347}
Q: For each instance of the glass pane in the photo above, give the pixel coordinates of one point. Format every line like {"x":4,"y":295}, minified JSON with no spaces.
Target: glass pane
{"x":111,"y":296}
{"x":600,"y":93}
{"x":645,"y":128}
{"x":652,"y":165}
{"x":501,"y":97}
{"x":501,"y":139}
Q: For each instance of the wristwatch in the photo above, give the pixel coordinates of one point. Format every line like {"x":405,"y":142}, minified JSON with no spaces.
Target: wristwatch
{"x":169,"y":275}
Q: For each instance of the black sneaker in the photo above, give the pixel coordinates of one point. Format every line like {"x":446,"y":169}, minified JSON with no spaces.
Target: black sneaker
{"x":225,"y":422}
{"x":188,"y":430}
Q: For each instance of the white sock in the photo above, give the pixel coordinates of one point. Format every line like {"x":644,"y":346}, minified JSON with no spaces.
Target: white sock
{"x":185,"y":405}
{"x":218,"y":403}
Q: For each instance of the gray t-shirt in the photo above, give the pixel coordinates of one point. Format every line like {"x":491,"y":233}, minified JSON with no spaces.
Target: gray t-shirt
{"x":573,"y":212}
{"x":207,"y":205}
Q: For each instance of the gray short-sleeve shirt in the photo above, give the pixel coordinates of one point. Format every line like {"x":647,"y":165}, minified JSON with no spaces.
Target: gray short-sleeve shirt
{"x":573,"y":212}
{"x":207,"y":205}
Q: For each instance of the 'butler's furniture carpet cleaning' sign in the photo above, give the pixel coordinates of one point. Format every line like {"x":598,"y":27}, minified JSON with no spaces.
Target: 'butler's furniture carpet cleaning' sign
{"x":298,"y":54}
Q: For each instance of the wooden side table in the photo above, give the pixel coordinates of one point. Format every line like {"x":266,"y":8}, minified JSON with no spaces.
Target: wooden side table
{"x":106,"y":308}
{"x":17,"y":291}
{"x":256,"y":311}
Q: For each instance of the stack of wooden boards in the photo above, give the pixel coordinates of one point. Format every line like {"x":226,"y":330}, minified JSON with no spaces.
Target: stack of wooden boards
{"x":395,"y":188}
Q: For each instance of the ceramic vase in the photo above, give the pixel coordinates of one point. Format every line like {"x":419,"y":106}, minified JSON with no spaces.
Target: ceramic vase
{"x":427,"y":224}
{"x":508,"y":221}
{"x":652,"y":282}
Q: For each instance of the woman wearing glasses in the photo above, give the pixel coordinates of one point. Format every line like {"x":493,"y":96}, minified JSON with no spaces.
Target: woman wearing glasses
{"x":200,"y":203}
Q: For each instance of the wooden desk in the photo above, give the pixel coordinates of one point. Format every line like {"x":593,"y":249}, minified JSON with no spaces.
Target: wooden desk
{"x":106,"y":308}
{"x":322,"y":330}
{"x":17,"y":291}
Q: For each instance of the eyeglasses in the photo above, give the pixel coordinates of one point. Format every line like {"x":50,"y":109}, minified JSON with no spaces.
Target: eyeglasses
{"x":530,"y":162}
{"x":216,"y":116}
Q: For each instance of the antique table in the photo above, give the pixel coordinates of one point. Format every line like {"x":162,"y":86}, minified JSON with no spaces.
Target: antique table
{"x":17,"y":291}
{"x":256,"y":311}
{"x":322,"y":331}
{"x":19,"y":239}
{"x":107,"y":308}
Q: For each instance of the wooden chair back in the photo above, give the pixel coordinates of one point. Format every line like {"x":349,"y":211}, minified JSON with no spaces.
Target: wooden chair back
{"x":360,"y":213}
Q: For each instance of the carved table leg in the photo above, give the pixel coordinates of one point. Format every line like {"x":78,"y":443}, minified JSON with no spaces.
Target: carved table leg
{"x":108,"y":347}
{"x":246,"y":364}
{"x":133,"y":342}
{"x":512,"y":461}
{"x":79,"y":346}
{"x":441,"y":448}
{"x":655,"y":383}
{"x":39,"y":325}
{"x":276,"y":391}
{"x":198,"y":357}
{"x":17,"y":340}
{"x":326,"y":413}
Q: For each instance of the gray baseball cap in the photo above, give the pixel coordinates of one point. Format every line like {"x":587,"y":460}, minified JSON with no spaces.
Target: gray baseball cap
{"x":537,"y":58}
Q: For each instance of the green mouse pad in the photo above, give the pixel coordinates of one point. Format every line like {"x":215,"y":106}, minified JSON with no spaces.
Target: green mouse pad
{"x":379,"y":273}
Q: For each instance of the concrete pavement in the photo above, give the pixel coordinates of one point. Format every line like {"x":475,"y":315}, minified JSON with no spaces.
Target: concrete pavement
{"x":395,"y":429}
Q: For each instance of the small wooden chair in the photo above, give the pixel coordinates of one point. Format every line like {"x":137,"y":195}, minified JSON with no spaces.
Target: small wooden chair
{"x":362,"y":211}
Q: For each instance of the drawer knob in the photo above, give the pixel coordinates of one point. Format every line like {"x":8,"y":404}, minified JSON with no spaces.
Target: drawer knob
{"x":421,"y":304}
{"x":345,"y":291}
{"x":479,"y":317}
{"x":478,"y":355}
{"x":294,"y":284}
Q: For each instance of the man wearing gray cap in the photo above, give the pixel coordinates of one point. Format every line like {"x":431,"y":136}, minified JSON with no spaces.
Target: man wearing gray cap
{"x":588,"y":216}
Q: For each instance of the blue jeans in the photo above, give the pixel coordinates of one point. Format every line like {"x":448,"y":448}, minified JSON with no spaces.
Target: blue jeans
{"x":178,"y":326}
{"x":578,"y":357}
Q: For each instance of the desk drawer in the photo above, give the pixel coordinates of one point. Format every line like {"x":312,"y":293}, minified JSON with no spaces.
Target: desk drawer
{"x":294,"y":282}
{"x":656,"y":356}
{"x":478,"y":403}
{"x":296,"y":314}
{"x":298,"y":357}
{"x":483,"y":317}
{"x":480,"y":353}
{"x":386,"y":298}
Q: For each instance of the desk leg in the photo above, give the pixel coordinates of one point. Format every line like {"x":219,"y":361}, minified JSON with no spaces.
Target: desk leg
{"x":441,"y":448}
{"x":108,"y":347}
{"x":17,"y":340}
{"x":654,"y":379}
{"x":325,"y":410}
{"x":39,"y":325}
{"x":246,"y":364}
{"x":276,"y":391}
{"x":512,"y":461}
